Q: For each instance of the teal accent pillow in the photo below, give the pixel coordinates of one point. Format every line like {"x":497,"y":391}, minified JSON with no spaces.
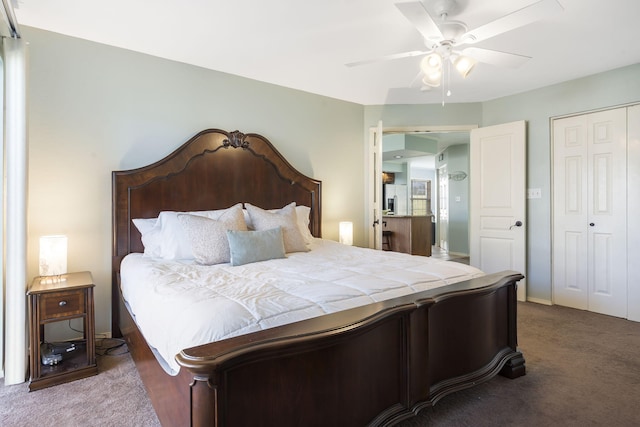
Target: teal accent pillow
{"x":254,"y":246}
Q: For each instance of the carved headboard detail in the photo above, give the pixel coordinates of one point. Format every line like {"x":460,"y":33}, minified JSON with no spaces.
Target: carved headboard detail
{"x":213,"y":170}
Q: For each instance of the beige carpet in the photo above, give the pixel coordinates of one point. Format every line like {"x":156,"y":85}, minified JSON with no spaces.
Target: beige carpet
{"x":115,"y":397}
{"x":583,"y":369}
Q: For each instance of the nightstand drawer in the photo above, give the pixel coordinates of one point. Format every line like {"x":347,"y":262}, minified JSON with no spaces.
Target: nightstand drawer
{"x":61,"y":304}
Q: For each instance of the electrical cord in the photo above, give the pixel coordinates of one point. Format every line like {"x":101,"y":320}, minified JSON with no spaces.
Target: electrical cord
{"x":105,"y":346}
{"x":74,"y":329}
{"x":108,"y":347}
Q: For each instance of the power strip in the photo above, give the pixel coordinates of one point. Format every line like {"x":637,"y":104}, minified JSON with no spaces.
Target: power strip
{"x":52,"y":353}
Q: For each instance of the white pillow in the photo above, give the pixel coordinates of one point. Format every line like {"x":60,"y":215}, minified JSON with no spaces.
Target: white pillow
{"x":303,"y":217}
{"x":144,"y":225}
{"x":285,"y":218}
{"x":208,"y":237}
{"x":151,"y":238}
{"x":167,"y":238}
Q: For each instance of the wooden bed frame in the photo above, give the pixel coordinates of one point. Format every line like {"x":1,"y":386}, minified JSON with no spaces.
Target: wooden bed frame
{"x":372,"y":365}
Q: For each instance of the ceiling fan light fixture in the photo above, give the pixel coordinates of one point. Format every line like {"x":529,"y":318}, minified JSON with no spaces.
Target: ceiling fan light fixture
{"x":431,"y":63}
{"x":464,"y":65}
{"x":441,"y":35}
{"x":431,"y":66}
{"x":432,"y":79}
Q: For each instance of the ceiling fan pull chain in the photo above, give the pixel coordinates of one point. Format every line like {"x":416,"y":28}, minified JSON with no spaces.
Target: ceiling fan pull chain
{"x":446,"y":80}
{"x":449,"y":77}
{"x":443,"y":84}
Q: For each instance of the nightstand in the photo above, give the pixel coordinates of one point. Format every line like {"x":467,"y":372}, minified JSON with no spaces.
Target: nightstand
{"x":57,"y":299}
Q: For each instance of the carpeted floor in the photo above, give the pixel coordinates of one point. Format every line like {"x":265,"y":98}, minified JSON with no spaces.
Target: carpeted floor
{"x":115,"y":397}
{"x":583,"y":369}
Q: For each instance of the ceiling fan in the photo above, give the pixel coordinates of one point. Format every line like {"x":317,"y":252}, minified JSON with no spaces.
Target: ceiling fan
{"x":443,"y":38}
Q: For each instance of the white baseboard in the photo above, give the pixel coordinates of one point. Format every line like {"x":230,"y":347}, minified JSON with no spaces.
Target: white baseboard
{"x":460,"y":254}
{"x":539,"y":301}
{"x":98,"y":336}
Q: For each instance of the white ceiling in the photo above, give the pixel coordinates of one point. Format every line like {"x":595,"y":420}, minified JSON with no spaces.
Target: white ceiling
{"x":305,"y":45}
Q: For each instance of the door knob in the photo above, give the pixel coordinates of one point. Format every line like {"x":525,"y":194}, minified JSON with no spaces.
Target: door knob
{"x":591,"y":224}
{"x":517,"y":224}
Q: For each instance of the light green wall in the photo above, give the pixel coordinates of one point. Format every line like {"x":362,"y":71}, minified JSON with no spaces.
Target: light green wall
{"x":616,"y":87}
{"x":537,"y":107}
{"x":94,"y":109}
{"x":457,"y":158}
{"x":393,"y":142}
{"x":422,"y":115}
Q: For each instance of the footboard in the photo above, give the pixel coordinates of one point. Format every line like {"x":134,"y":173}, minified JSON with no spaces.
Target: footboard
{"x":372,"y":365}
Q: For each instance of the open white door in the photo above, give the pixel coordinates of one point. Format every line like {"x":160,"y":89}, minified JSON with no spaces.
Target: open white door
{"x":497,"y":216}
{"x":443,"y":208}
{"x":373,"y":202}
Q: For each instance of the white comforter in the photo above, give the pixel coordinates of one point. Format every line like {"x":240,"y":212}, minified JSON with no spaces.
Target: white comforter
{"x":179,"y":305}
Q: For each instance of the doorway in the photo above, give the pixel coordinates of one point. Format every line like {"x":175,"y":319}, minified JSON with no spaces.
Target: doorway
{"x":417,"y":154}
{"x":498,"y":182}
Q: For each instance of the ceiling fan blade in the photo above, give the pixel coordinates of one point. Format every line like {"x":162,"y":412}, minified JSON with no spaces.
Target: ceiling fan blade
{"x":416,"y":83}
{"x":418,"y":15}
{"x":517,"y":19}
{"x":389,"y":57}
{"x":495,"y":57}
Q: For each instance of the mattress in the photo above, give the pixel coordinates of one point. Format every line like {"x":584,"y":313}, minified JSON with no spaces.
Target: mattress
{"x":178,"y":305}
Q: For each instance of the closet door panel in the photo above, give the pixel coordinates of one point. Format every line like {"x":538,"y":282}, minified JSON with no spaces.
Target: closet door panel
{"x":633,"y":209}
{"x":590,"y":212}
{"x":607,"y":153}
{"x":570,"y":279}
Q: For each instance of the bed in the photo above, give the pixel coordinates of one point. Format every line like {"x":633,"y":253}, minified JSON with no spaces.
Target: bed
{"x":376,"y":363}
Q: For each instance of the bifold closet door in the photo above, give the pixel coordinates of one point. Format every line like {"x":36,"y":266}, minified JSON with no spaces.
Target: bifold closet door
{"x":590,"y":212}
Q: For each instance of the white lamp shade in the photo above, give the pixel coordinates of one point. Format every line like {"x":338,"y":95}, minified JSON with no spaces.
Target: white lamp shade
{"x":431,"y":66}
{"x":53,"y":255}
{"x":346,"y":232}
{"x":464,"y":65}
{"x":431,"y":62}
{"x":432,"y":79}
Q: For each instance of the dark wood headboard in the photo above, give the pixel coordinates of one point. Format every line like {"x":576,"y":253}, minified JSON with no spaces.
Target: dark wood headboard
{"x":213,"y":170}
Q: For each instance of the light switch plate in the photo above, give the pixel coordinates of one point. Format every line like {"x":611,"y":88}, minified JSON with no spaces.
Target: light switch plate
{"x":534,"y":193}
